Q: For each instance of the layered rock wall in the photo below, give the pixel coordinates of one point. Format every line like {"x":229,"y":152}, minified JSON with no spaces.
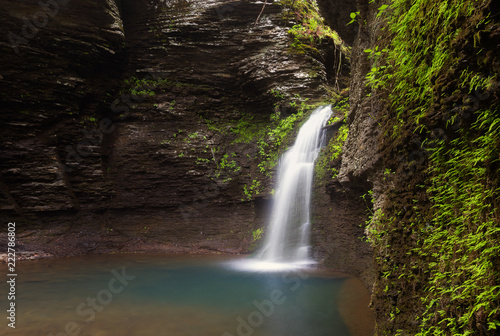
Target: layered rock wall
{"x":119,"y":120}
{"x":423,"y":139}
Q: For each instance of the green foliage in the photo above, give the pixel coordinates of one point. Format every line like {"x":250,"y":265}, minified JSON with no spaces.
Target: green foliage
{"x":310,"y":30}
{"x":256,"y":237}
{"x":252,"y":190}
{"x":247,"y":129}
{"x":465,"y":231}
{"x":354,"y":16}
{"x":143,"y":87}
{"x":257,"y":234}
{"x":149,"y":86}
{"x":225,"y":163}
{"x":427,"y":67}
{"x":142,"y":92}
{"x":272,"y":134}
{"x":89,"y":120}
{"x":277,"y":94}
{"x":419,"y":51}
{"x":277,"y":135}
{"x":326,"y":163}
{"x":331,"y":154}
{"x":203,"y":160}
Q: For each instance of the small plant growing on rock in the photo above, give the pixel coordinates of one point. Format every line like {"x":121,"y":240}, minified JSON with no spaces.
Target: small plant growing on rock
{"x":256,"y":237}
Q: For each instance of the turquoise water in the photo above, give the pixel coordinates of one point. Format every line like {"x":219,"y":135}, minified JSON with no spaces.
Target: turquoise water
{"x":164,"y":295}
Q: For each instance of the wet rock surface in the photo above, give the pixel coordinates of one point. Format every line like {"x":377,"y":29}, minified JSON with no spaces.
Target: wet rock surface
{"x":398,"y":173}
{"x":338,"y":219}
{"x":89,"y":166}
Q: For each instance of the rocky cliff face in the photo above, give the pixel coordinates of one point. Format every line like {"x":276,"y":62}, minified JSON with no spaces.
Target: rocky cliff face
{"x":342,"y":205}
{"x":129,"y":125}
{"x":423,"y":138}
{"x":54,"y":74}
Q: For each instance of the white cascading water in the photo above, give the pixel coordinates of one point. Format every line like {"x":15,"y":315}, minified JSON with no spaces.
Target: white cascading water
{"x":287,"y":240}
{"x":288,"y":234}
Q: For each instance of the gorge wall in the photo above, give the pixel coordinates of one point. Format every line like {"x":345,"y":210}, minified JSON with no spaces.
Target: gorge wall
{"x":119,"y":116}
{"x":424,"y":135}
{"x":156,"y":125}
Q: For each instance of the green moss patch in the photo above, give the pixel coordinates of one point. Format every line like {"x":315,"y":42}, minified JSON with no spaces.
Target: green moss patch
{"x":437,"y":236}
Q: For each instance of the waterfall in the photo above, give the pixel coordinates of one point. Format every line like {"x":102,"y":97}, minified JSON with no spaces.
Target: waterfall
{"x":287,"y":239}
